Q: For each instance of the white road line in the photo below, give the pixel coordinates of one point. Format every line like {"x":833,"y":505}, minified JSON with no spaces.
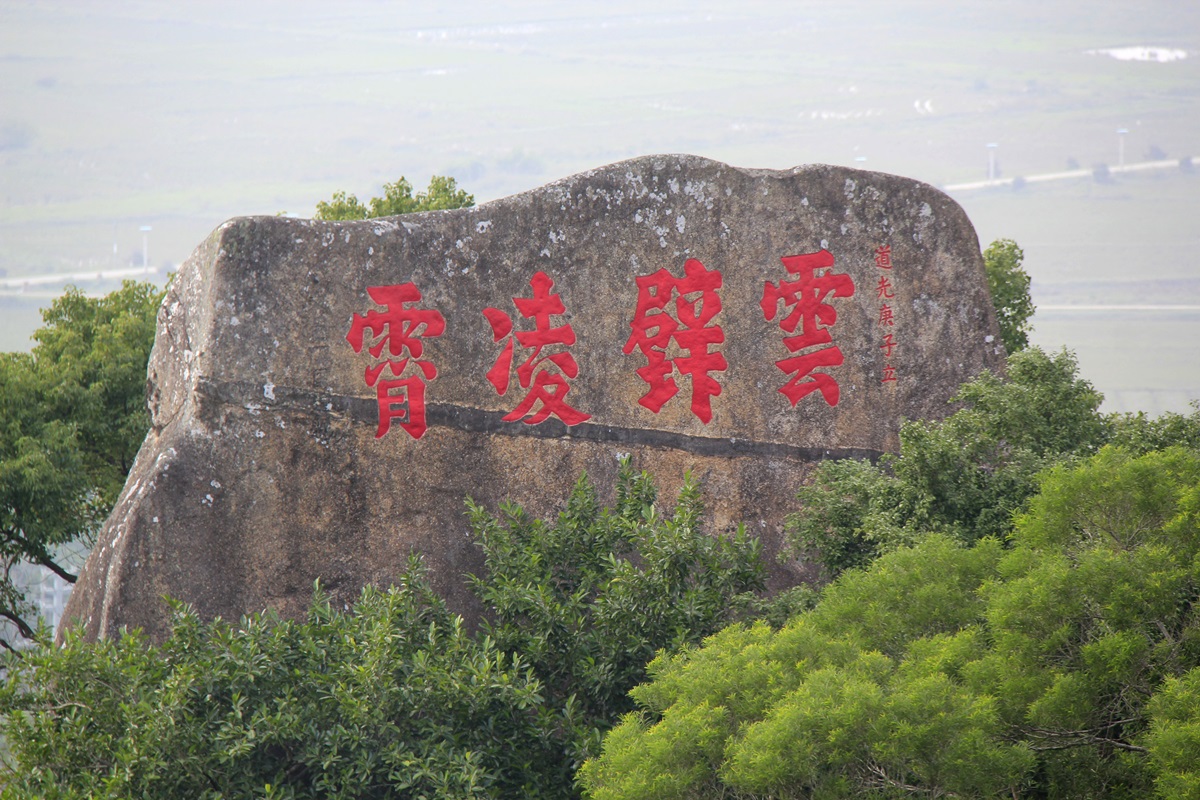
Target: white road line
{"x":22,"y":281}
{"x":1117,"y":308}
{"x":1170,"y":163}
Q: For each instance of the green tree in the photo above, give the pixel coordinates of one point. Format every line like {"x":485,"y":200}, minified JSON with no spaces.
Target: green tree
{"x":72,"y":417}
{"x":341,"y":206}
{"x":1061,"y":666}
{"x":1174,"y":738}
{"x":832,"y":705}
{"x":1009,"y":285}
{"x":390,"y":699}
{"x":965,"y":476}
{"x":443,"y":193}
{"x":1142,"y":434}
{"x":588,"y":600}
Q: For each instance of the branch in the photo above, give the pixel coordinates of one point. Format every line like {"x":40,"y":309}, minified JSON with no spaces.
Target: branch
{"x":37,"y":553}
{"x":885,"y":781}
{"x":1083,"y":738}
{"x":22,"y":626}
{"x":64,"y":706}
{"x":49,"y":564}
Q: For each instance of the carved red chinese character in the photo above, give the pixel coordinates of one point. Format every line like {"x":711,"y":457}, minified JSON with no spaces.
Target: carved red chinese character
{"x":886,"y":318}
{"x":400,"y":328}
{"x":547,"y":389}
{"x":805,"y":309}
{"x":654,"y":326}
{"x":884,"y":289}
{"x":889,"y":374}
{"x":883,"y":257}
{"x":889,"y":344}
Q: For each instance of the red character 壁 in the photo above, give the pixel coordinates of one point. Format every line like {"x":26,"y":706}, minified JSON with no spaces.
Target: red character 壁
{"x":654,"y":326}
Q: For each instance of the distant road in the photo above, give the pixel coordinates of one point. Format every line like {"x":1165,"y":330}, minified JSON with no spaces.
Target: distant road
{"x":1169,"y":163}
{"x":1142,"y":307}
{"x":39,"y":285}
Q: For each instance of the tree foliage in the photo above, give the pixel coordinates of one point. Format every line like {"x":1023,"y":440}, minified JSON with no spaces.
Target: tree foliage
{"x":1009,"y":286}
{"x":1141,"y":434}
{"x":443,"y":193}
{"x":392,"y":698}
{"x":964,"y":476}
{"x":588,"y":600}
{"x":1063,"y":666}
{"x":1174,"y":738}
{"x":968,"y":476}
{"x":72,"y":417}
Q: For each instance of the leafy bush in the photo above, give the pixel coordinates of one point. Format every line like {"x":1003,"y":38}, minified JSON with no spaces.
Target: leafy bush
{"x":965,"y":476}
{"x":1174,"y":738}
{"x":1064,"y":666}
{"x":443,"y":193}
{"x":392,"y":698}
{"x":1009,"y":286}
{"x":589,"y":600}
{"x":1141,"y":434}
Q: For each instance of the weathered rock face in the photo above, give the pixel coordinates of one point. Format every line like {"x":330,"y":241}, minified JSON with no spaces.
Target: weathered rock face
{"x":324,"y":395}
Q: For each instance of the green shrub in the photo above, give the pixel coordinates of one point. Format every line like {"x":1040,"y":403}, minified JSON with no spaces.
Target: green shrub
{"x":389,"y":699}
{"x":1063,"y":666}
{"x":588,"y":600}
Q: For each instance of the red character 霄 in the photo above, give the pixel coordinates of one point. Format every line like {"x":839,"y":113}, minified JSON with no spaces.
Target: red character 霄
{"x":400,"y":328}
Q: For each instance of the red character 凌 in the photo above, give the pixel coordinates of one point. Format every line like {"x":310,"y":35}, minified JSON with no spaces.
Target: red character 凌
{"x":654,"y":327}
{"x":545,"y":387}
{"x":806,"y":296}
{"x":400,"y":328}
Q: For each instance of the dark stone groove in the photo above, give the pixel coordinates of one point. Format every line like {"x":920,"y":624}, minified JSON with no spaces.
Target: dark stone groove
{"x":476,"y":420}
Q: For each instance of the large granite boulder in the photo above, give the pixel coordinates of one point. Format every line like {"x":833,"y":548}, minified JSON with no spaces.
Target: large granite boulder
{"x":324,"y":395}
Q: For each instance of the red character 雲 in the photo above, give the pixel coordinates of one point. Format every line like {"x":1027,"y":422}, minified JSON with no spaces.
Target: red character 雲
{"x":399,"y":327}
{"x":547,"y":388}
{"x":654,"y":326}
{"x":804,"y":308}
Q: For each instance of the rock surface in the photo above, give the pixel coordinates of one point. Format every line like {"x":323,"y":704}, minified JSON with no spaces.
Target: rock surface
{"x":324,"y":395}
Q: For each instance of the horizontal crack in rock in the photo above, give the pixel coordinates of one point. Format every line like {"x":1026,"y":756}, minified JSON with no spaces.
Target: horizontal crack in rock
{"x":476,"y":420}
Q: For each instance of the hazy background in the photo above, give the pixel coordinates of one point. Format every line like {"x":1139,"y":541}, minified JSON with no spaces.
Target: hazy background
{"x":176,"y":116}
